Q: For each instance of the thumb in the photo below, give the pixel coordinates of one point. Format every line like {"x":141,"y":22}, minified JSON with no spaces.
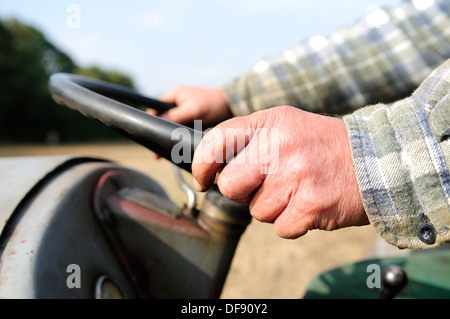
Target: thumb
{"x":152,"y":112}
{"x":179,"y":114}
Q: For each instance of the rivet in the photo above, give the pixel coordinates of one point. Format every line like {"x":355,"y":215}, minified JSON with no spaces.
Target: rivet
{"x":427,"y":233}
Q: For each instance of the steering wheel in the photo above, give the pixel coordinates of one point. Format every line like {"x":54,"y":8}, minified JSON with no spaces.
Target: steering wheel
{"x":99,"y":100}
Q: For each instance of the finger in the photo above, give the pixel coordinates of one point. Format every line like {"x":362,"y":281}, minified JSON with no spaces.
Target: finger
{"x":152,"y":112}
{"x":300,"y":216}
{"x":240,"y":178}
{"x":169,"y":96}
{"x":217,"y":147}
{"x":178,"y":115}
{"x":269,"y":201}
{"x":292,"y":223}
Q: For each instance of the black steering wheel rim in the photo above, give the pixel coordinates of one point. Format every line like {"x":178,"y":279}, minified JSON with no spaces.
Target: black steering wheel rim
{"x":95,"y":99}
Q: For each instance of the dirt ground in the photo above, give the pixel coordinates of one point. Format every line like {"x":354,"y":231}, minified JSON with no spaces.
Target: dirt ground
{"x":265,"y":265}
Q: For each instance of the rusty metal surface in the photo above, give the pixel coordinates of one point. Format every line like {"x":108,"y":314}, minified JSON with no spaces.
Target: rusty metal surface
{"x":57,"y":229}
{"x":168,"y":254}
{"x":120,"y":229}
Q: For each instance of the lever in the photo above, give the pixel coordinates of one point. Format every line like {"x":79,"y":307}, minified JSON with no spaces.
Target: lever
{"x":394,"y":279}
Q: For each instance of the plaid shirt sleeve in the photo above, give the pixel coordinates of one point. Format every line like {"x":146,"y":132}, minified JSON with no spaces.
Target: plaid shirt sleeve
{"x":401,"y":150}
{"x":381,"y":58}
{"x":401,"y":154}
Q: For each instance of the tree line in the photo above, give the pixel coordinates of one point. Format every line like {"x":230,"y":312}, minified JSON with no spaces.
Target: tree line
{"x":28,"y":114}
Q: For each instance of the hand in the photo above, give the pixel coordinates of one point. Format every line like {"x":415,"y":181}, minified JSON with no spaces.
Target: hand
{"x":196,"y":103}
{"x":303,"y":177}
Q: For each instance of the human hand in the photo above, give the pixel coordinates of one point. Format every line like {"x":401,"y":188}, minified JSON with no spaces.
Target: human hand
{"x":302,"y":179}
{"x":196,"y":103}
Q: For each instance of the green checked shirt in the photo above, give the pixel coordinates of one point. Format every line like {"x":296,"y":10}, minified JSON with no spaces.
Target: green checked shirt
{"x":388,"y":75}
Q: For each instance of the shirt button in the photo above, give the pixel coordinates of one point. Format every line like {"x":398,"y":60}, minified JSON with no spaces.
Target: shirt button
{"x":427,"y":234}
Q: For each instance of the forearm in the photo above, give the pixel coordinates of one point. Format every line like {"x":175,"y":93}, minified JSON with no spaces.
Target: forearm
{"x":369,"y":62}
{"x":401,"y":155}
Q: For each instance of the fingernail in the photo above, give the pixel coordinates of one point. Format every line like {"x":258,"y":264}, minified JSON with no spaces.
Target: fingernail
{"x":197,"y":186}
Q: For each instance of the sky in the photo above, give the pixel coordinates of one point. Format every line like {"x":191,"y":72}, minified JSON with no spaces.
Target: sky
{"x":161,"y":44}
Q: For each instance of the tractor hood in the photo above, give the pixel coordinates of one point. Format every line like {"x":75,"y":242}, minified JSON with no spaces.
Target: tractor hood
{"x":20,"y":176}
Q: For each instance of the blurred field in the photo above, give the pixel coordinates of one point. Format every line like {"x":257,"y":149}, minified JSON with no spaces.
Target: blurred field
{"x":265,"y":266}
